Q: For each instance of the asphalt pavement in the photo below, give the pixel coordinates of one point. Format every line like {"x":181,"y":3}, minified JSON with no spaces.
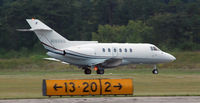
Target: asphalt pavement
{"x":171,"y":99}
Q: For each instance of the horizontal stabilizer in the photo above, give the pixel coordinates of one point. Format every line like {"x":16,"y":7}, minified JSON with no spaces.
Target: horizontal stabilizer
{"x":34,"y":29}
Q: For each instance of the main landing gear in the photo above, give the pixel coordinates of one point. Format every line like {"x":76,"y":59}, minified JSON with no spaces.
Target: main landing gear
{"x":155,"y":70}
{"x":98,"y":69}
{"x":87,"y":70}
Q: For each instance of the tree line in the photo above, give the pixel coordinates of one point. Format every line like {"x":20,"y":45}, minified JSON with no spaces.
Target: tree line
{"x":169,"y":24}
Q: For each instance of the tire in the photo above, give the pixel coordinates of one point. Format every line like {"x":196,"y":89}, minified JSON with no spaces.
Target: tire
{"x":100,"y":71}
{"x":87,"y":71}
{"x":155,"y":71}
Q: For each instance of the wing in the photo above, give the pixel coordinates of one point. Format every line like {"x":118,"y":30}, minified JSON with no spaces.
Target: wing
{"x":112,"y":62}
{"x":53,"y":59}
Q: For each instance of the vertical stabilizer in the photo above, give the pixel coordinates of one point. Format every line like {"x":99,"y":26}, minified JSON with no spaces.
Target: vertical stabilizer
{"x":50,"y":39}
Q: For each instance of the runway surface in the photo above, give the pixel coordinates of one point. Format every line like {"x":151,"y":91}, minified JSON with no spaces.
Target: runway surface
{"x":176,"y":99}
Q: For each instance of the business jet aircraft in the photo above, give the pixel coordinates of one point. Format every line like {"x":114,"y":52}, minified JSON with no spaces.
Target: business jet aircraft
{"x":91,"y":54}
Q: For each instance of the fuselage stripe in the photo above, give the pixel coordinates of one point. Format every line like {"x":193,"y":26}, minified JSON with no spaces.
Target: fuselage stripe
{"x":51,"y":46}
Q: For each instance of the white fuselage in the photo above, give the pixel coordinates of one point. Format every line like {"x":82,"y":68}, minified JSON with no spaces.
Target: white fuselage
{"x":130,"y":53}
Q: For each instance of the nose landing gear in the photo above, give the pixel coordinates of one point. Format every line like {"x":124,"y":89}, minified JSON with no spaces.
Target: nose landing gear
{"x":155,"y":70}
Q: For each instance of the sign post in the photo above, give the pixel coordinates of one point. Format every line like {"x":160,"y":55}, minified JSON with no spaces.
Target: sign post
{"x":87,"y":87}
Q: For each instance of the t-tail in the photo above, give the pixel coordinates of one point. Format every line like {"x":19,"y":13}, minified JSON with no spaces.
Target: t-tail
{"x":50,"y":39}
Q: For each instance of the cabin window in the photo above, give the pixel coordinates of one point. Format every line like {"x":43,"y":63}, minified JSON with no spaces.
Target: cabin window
{"x":125,"y":50}
{"x":131,"y":50}
{"x":109,"y":50}
{"x":115,"y":50}
{"x":103,"y":50}
{"x":120,"y":50}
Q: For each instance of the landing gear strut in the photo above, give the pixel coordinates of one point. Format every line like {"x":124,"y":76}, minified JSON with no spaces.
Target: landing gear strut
{"x":87,"y":70}
{"x":155,"y":70}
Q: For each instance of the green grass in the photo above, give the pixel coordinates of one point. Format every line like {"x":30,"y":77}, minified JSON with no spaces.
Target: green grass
{"x":22,"y":77}
{"x":168,"y":82}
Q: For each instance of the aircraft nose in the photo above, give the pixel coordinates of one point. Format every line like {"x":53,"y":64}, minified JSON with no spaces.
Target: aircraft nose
{"x":171,"y":57}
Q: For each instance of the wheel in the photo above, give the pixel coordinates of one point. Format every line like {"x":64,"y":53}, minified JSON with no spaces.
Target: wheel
{"x":97,"y":71}
{"x":100,"y":71}
{"x":87,"y":71}
{"x":155,"y":71}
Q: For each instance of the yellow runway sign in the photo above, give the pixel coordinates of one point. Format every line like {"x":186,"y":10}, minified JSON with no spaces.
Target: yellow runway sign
{"x":87,"y":87}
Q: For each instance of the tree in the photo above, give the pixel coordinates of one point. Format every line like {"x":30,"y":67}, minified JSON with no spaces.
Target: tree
{"x":134,"y":32}
{"x":161,"y":22}
{"x":174,"y":30}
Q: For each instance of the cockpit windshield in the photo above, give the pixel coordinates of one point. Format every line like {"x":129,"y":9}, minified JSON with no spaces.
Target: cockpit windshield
{"x":154,"y":48}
